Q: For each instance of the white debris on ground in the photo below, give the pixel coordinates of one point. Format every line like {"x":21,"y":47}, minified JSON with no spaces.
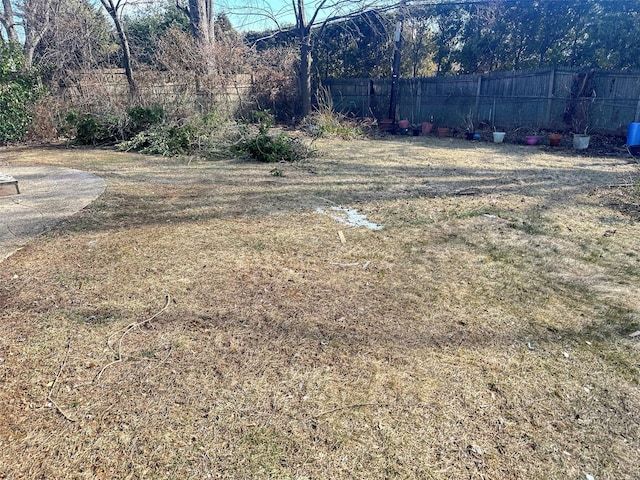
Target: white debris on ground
{"x":350,"y":216}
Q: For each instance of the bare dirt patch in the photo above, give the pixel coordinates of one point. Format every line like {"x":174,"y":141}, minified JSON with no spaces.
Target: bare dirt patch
{"x":487,"y":337}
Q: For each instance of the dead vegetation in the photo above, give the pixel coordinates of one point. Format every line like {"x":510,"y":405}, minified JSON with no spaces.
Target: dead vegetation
{"x":203,"y":320}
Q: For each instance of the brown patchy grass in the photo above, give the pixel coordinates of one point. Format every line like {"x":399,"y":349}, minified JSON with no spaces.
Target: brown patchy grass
{"x":487,"y":338}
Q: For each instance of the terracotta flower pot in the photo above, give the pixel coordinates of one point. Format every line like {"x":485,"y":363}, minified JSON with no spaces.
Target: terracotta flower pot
{"x":443,"y":131}
{"x":554,"y":139}
{"x":426,"y":128}
{"x":386,"y":124}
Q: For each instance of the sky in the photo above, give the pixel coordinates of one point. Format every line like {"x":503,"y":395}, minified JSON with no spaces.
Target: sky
{"x":257,"y":15}
{"x":247,"y":15}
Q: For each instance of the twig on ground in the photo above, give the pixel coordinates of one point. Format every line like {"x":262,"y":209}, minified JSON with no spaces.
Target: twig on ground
{"x":55,"y":380}
{"x":467,"y":191}
{"x":620,"y":185}
{"x":124,"y":331}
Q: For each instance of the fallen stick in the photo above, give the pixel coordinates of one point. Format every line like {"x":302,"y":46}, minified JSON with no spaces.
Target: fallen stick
{"x":124,"y":331}
{"x":621,"y":185}
{"x":55,"y":380}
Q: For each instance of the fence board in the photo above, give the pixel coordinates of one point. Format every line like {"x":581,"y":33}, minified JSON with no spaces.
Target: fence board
{"x":536,"y":99}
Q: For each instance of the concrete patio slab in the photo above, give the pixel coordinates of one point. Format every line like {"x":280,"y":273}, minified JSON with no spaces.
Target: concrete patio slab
{"x":47,"y":195}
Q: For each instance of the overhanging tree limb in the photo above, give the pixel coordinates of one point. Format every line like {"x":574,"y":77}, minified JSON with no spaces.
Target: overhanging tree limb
{"x":311,"y":16}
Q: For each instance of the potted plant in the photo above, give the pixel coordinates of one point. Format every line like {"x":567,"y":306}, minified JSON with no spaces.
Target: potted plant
{"x":427,"y":126}
{"x":403,"y":125}
{"x":554,"y":139}
{"x":498,"y":137}
{"x":581,"y":123}
{"x":581,"y":140}
{"x":469,"y":126}
{"x":531,"y":139}
{"x":385,"y":124}
{"x":443,"y":131}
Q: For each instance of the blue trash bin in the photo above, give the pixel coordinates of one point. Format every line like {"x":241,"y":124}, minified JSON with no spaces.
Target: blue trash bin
{"x":633,"y":134}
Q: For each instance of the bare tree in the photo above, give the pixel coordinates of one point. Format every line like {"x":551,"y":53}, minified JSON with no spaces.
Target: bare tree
{"x":317,"y":14}
{"x":34,"y":16}
{"x":312,"y":16}
{"x":79,"y":39}
{"x":114,"y":9}
{"x":36,"y":20}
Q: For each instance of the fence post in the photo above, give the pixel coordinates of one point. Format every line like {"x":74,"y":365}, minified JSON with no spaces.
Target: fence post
{"x":478,"y":97}
{"x":363,"y":107}
{"x":418,"y":102}
{"x":550,"y":94}
{"x":493,"y":114}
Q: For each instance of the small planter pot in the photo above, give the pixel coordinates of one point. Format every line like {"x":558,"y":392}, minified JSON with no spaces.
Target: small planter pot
{"x":498,"y":137}
{"x":402,"y":124}
{"x":581,"y":142}
{"x":443,"y":131}
{"x":416,"y":132}
{"x":531,"y":140}
{"x":426,"y":128}
{"x":554,"y":139}
{"x":386,"y":124}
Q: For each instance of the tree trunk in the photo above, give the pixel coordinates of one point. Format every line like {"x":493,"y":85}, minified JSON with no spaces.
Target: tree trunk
{"x":7,"y":20}
{"x":304,"y":72}
{"x":202,"y":21}
{"x":126,"y":52}
{"x":32,"y":41}
{"x":112,"y":10}
{"x":202,"y":24}
{"x":305,"y":76}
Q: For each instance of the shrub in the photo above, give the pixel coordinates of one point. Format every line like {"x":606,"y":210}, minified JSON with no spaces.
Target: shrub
{"x":44,"y":125}
{"x":324,"y":121}
{"x":109,"y":128}
{"x":141,"y":118}
{"x":89,"y":129}
{"x":269,"y":148}
{"x":165,"y":140}
{"x":18,"y":92}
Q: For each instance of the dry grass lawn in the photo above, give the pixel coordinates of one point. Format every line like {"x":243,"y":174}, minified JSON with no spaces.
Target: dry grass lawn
{"x":204,"y":320}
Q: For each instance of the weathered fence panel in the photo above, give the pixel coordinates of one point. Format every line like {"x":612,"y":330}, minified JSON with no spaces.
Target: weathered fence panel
{"x":554,"y":98}
{"x":98,"y":91}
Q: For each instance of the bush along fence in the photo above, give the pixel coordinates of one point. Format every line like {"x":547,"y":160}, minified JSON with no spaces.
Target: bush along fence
{"x":550,"y":99}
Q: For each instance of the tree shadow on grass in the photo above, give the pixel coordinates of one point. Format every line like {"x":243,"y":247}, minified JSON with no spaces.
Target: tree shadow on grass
{"x":182,"y":196}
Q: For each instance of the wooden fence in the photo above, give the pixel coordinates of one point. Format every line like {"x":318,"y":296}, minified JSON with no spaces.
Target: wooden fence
{"x":101,"y":90}
{"x":553,"y":98}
